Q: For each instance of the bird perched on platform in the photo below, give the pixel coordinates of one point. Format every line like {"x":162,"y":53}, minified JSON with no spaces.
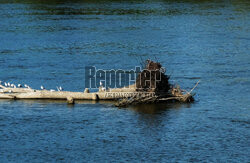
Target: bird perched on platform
{"x":19,"y":85}
{"x":42,"y":87}
{"x":101,"y":88}
{"x":5,"y":84}
{"x":59,"y":88}
{"x":8,"y":84}
{"x":13,"y":85}
{"x":26,"y":86}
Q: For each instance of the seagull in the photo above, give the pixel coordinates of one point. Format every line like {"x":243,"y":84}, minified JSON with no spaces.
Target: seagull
{"x":26,"y":86}
{"x":103,"y":89}
{"x":59,"y":88}
{"x":42,"y":87}
{"x":13,"y":85}
{"x":100,"y":83}
{"x":19,"y":85}
{"x":6,"y":85}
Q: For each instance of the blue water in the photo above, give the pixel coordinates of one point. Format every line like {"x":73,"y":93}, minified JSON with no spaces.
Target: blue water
{"x":50,"y":42}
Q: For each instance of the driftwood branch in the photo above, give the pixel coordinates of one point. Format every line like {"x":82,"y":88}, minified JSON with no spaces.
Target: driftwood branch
{"x":194,"y":87}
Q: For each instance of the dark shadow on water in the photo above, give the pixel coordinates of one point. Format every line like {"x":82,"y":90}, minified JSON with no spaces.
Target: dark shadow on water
{"x":105,"y":7}
{"x":101,"y":1}
{"x":47,"y":102}
{"x":142,"y":108}
{"x":158,"y":108}
{"x":154,"y":118}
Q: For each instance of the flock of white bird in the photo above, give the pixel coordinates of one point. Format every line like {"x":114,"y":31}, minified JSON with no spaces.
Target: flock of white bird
{"x":10,"y":85}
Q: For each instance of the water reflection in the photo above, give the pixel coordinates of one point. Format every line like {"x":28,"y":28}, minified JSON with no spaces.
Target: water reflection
{"x":141,"y":108}
{"x":157,"y":108}
{"x":112,"y":7}
{"x":47,"y":102}
{"x":115,"y":7}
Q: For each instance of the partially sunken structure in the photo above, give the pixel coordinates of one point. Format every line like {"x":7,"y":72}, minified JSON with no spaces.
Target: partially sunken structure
{"x":151,"y":86}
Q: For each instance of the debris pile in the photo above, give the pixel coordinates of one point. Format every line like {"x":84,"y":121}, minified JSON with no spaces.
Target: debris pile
{"x":153,"y":79}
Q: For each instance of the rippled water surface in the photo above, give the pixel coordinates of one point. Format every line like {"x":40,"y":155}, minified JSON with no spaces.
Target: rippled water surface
{"x":50,"y":43}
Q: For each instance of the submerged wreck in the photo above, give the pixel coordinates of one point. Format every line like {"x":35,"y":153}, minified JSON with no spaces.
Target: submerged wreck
{"x":153,"y":87}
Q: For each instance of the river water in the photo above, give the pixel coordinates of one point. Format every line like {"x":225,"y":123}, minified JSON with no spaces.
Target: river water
{"x":50,"y":42}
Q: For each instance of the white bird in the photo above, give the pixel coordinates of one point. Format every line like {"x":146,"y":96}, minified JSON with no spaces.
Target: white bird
{"x":103,"y":89}
{"x":26,"y":86}
{"x":10,"y":91}
{"x":19,"y":85}
{"x":5,"y":84}
{"x":42,"y":87}
{"x":52,"y":90}
{"x":8,"y":84}
{"x":59,"y":88}
{"x":100,"y":83}
{"x":13,"y":85}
